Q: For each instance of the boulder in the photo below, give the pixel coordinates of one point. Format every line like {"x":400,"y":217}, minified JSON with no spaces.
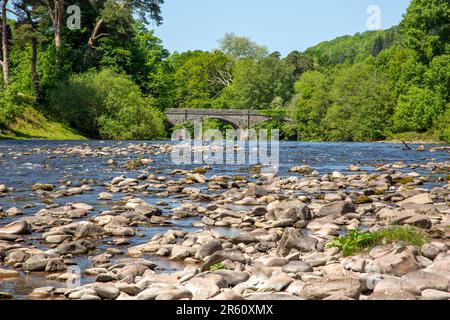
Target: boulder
{"x":318,"y":289}
{"x":292,"y":239}
{"x":397,"y":264}
{"x":336,"y":208}
{"x":209,"y":248}
{"x":392,"y":294}
{"x":85,"y":229}
{"x":222,"y":255}
{"x":36,"y":262}
{"x":297,"y":266}
{"x":276,"y":283}
{"x":427,"y":280}
{"x":233,"y":278}
{"x":106,"y":291}
{"x":202,"y":288}
{"x":16,"y":227}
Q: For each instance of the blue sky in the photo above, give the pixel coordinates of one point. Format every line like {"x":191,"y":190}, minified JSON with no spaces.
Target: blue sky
{"x":282,"y":25}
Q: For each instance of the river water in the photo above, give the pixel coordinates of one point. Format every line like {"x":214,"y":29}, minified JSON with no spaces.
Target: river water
{"x":21,"y":167}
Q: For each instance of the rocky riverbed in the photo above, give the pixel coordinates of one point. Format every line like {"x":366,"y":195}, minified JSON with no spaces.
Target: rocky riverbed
{"x":119,"y":221}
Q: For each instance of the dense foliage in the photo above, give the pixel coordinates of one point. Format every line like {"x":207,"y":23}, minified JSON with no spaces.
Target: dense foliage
{"x":112,"y":78}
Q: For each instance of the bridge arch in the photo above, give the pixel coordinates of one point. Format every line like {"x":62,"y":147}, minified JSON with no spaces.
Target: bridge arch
{"x":237,"y":118}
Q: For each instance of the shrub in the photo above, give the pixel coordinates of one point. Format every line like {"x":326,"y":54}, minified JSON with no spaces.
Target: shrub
{"x":107,"y":105}
{"x":356,"y":241}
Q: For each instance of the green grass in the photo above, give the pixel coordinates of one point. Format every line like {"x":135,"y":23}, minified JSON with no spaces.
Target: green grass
{"x":34,"y":125}
{"x":217,"y":266}
{"x":415,"y":137}
{"x":356,"y":241}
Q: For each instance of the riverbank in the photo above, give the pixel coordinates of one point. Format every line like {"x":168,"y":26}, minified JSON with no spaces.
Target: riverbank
{"x":34,"y":125}
{"x":78,"y":222}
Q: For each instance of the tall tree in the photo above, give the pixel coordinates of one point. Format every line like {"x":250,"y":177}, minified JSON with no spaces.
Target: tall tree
{"x":427,"y":27}
{"x":5,"y":44}
{"x":27,"y":33}
{"x":242,"y":47}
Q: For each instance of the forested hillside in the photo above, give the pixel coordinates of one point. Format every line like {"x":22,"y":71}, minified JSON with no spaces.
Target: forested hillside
{"x":112,"y":78}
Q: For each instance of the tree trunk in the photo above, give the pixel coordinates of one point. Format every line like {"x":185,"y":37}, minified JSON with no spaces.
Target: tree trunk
{"x":5,"y":47}
{"x":57,"y":22}
{"x":91,"y":42}
{"x":59,"y":7}
{"x":95,"y":33}
{"x":37,"y":91}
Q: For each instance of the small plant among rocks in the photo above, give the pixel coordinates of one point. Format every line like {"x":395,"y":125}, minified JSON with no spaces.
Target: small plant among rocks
{"x":356,"y":241}
{"x":217,"y":266}
{"x":133,"y":164}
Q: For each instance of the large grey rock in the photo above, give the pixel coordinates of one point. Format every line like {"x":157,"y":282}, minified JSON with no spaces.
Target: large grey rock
{"x":292,"y":239}
{"x":426,"y":280}
{"x":297,"y":266}
{"x":327,"y":286}
{"x":175,"y":294}
{"x":276,"y":283}
{"x":396,"y":284}
{"x":431,"y":294}
{"x":16,"y":227}
{"x":429,"y":251}
{"x":336,"y":208}
{"x":441,"y":267}
{"x":219,"y":256}
{"x":233,"y":278}
{"x":85,"y":229}
{"x":390,"y":294}
{"x":202,"y":288}
{"x":397,"y":264}
{"x":36,"y":262}
{"x":106,"y":291}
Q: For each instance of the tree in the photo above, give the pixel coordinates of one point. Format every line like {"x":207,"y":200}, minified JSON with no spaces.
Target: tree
{"x":437,"y":76}
{"x":27,"y":33}
{"x":417,"y":110}
{"x":113,"y":11}
{"x":310,"y":104}
{"x":200,"y":78}
{"x":363,"y":103}
{"x":242,"y":47}
{"x":426,"y":25}
{"x":5,"y":43}
{"x":107,"y":105}
{"x":257,"y":83}
{"x":299,"y":62}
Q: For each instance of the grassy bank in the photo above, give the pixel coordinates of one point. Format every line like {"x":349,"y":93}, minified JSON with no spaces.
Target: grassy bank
{"x":34,"y":125}
{"x":415,"y":137}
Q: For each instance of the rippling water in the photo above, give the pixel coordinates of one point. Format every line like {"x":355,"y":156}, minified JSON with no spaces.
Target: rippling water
{"x":29,"y":168}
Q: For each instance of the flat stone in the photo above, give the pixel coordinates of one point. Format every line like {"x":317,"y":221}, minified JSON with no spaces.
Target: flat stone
{"x":297,"y":266}
{"x":106,"y":291}
{"x":431,"y":294}
{"x":16,"y":227}
{"x":276,"y":283}
{"x":327,"y":286}
{"x":390,"y":294}
{"x":336,"y":208}
{"x":426,"y":280}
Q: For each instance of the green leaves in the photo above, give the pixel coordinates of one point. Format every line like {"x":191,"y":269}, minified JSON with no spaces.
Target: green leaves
{"x":427,"y":27}
{"x":107,"y":105}
{"x":356,"y":241}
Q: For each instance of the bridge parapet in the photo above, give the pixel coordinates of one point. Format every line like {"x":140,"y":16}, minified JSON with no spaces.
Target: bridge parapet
{"x":238,"y":118}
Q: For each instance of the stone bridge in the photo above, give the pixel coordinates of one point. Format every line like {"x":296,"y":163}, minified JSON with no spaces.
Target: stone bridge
{"x":238,"y":118}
